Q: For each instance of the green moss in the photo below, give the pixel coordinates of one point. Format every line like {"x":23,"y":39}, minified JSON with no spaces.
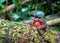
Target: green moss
{"x":1,"y":41}
{"x":22,"y":31}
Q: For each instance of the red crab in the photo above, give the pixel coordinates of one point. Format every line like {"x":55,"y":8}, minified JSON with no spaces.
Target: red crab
{"x":39,"y":23}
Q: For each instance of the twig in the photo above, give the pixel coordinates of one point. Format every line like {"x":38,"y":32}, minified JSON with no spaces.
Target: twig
{"x":7,"y":9}
{"x":54,"y":21}
{"x":50,"y":22}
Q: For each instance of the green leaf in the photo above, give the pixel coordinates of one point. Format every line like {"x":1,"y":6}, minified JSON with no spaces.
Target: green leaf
{"x":30,"y":18}
{"x":17,"y":3}
{"x":24,"y":9}
{"x":2,"y":6}
{"x":48,"y":16}
{"x":38,"y":13}
{"x":55,"y":28}
{"x":1,"y":1}
{"x":15,"y":16}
